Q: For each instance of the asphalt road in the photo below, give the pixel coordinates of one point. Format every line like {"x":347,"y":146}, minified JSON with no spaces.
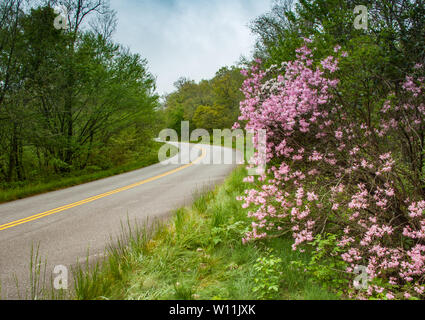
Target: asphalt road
{"x":68,"y":224}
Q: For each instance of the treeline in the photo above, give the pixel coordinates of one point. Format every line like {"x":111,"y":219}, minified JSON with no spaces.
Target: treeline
{"x":209,"y":104}
{"x":70,"y":99}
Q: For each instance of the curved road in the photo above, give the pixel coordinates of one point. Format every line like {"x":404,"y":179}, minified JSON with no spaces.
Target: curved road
{"x":66,"y":224}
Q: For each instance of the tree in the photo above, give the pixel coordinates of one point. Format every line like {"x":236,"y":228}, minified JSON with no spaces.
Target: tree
{"x":218,"y":97}
{"x":67,"y":94}
{"x":211,"y":117}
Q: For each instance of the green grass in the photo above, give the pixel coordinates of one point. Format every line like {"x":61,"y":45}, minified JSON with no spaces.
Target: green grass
{"x":56,"y":183}
{"x":197,"y":255}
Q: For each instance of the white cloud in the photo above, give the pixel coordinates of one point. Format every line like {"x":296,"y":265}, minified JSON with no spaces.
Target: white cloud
{"x":191,"y":38}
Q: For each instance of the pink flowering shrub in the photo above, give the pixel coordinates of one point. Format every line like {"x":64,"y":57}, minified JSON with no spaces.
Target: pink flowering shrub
{"x":330,"y":170}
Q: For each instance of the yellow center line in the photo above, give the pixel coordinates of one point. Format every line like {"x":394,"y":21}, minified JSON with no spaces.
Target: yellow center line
{"x":100,"y":196}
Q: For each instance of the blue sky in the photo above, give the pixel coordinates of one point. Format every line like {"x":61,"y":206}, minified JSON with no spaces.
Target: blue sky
{"x":191,"y":38}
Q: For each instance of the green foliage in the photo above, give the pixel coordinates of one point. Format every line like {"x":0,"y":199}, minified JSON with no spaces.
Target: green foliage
{"x":396,"y":27}
{"x":323,"y":266}
{"x":229,"y":232}
{"x":209,"y":104}
{"x":267,"y":276}
{"x":71,"y":99}
{"x":183,"y":291}
{"x":211,"y":117}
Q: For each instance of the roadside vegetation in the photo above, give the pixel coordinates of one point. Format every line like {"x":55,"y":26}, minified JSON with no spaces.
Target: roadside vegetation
{"x":199,"y":254}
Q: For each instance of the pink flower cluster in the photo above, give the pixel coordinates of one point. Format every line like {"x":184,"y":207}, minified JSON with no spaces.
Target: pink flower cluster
{"x":330,"y":172}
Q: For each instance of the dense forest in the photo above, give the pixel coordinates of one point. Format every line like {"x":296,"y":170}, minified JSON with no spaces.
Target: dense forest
{"x":72,"y":101}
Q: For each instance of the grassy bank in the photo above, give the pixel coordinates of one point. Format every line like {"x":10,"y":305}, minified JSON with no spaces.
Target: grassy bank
{"x":199,"y":255}
{"x":53,"y":183}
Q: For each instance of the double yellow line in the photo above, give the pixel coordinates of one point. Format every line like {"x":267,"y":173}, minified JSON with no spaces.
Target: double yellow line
{"x":100,"y":196}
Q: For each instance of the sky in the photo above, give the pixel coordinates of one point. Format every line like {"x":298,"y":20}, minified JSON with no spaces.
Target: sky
{"x":187,"y":38}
